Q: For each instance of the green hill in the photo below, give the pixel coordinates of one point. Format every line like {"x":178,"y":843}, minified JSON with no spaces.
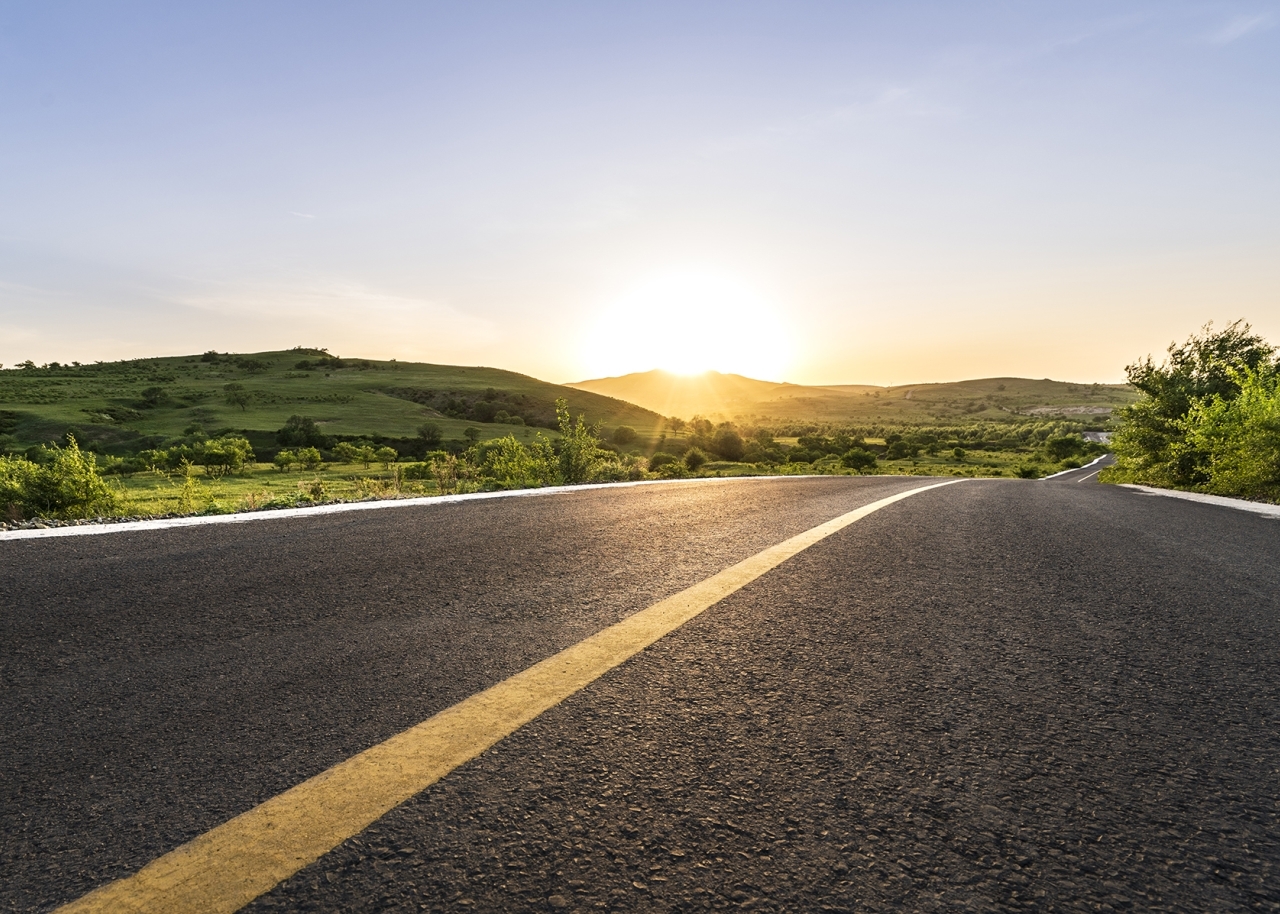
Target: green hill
{"x":722,"y":396}
{"x":120,"y":407}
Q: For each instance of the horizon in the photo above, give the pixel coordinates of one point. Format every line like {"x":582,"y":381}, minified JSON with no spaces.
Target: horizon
{"x":905,"y":195}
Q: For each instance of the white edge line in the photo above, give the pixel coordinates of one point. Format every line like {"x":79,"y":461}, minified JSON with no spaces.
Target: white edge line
{"x":1075,"y":470}
{"x":314,"y":510}
{"x":1220,"y":500}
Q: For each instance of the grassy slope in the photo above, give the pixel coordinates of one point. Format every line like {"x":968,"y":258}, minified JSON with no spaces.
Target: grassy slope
{"x":734,"y":397}
{"x":104,"y":402}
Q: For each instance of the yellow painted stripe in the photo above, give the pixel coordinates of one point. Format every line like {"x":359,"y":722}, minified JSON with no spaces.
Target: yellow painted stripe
{"x":229,"y":866}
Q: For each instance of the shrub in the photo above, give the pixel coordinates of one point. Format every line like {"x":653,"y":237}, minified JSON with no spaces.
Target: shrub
{"x":1241,"y":437}
{"x":431,"y":434}
{"x":694,"y":458}
{"x":286,"y":460}
{"x":220,"y":456}
{"x":300,"y":431}
{"x":310,"y":458}
{"x":68,"y":485}
{"x":624,"y":434}
{"x":728,"y":444}
{"x":386,"y":456}
{"x":578,"y":449}
{"x":660,"y":460}
{"x":858,"y":459}
{"x":1152,"y":444}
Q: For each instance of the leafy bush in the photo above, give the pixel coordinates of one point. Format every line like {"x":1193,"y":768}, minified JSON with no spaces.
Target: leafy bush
{"x":728,"y":444}
{"x":694,"y":458}
{"x":858,"y":459}
{"x":220,"y":456}
{"x":300,"y":431}
{"x":68,"y":485}
{"x":1240,"y":437}
{"x":624,"y":434}
{"x":1152,"y":444}
{"x":660,"y":460}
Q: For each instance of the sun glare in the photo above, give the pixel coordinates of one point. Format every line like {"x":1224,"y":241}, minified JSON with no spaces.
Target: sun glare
{"x":688,"y":323}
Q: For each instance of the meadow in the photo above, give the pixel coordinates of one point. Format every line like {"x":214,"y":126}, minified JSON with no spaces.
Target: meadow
{"x":218,"y":433}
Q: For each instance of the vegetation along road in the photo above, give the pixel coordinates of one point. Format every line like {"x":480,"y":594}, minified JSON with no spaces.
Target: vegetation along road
{"x":778,"y":694}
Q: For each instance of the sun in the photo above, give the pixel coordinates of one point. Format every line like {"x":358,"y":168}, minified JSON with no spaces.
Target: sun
{"x":689,"y":322}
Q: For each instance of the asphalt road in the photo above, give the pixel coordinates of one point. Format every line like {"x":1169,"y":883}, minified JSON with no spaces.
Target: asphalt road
{"x":997,"y":695}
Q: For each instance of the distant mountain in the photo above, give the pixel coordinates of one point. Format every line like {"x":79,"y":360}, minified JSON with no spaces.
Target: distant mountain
{"x":731,"y":396}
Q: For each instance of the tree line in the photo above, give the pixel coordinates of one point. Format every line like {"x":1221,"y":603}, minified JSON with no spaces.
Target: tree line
{"x":1208,"y":418}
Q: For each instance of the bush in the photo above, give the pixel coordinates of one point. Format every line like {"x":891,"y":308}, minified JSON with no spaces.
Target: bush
{"x":694,"y":458}
{"x":1152,"y":444}
{"x":858,"y":459}
{"x":431,"y":434}
{"x":1241,"y":438}
{"x":624,"y":434}
{"x":660,"y":460}
{"x":1065,"y":446}
{"x":68,"y":485}
{"x":728,"y":444}
{"x":220,"y":456}
{"x":300,"y":431}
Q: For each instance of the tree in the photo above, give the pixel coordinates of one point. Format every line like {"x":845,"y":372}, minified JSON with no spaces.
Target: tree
{"x":431,"y":434}
{"x":728,"y":444}
{"x":346,"y":452}
{"x":858,"y":459}
{"x":1151,"y":444}
{"x":471,"y":434}
{"x":386,"y":456}
{"x":1064,"y":446}
{"x":286,"y":460}
{"x":301,"y":431}
{"x":236,"y":395}
{"x":1240,"y":437}
{"x":224,"y":455}
{"x":310,"y":458}
{"x":694,"y":458}
{"x":624,"y":434}
{"x":366,"y":455}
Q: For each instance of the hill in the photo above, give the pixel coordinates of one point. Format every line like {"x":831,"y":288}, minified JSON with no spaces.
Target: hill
{"x":120,"y":407}
{"x":728,"y":396}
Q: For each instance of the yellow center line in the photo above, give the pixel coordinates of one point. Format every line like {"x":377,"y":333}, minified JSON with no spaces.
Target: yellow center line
{"x":232,"y":864}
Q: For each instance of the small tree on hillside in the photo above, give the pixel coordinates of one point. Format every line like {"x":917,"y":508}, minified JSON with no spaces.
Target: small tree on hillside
{"x":236,"y":395}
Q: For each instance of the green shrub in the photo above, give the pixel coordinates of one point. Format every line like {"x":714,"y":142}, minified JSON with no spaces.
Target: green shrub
{"x":660,"y":460}
{"x":67,"y":486}
{"x":624,"y":434}
{"x":1240,"y":437}
{"x":694,"y":458}
{"x":220,"y":456}
{"x":858,"y":459}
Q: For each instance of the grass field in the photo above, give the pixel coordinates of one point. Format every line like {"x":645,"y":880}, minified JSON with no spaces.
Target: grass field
{"x":262,"y":485}
{"x":122,"y":407}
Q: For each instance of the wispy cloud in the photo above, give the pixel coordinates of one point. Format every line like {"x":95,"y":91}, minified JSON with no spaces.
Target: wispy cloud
{"x":1240,"y":26}
{"x":301,"y":215}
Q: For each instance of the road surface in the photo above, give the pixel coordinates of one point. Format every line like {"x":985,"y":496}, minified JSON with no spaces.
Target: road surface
{"x":994,"y":695}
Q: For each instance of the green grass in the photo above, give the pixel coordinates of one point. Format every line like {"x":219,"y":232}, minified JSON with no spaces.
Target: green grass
{"x":104,"y":404}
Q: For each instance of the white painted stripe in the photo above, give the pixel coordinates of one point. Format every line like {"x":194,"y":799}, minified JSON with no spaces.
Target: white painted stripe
{"x":1220,"y":500}
{"x":316,"y":510}
{"x":1076,"y":470}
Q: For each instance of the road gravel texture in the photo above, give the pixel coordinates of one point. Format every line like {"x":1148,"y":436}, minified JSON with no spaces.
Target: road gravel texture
{"x":998,"y":695}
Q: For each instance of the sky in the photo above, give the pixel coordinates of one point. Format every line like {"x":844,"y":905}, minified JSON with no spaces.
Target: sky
{"x":816,"y":192}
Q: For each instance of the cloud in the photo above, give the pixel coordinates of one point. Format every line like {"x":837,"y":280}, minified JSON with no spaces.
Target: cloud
{"x":301,"y":215}
{"x":1239,"y":27}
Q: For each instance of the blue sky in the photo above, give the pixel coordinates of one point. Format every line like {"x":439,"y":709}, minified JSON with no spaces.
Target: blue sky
{"x":915,"y":191}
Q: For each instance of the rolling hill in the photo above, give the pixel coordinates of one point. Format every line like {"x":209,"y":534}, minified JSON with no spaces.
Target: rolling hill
{"x":728,"y":396}
{"x":122,"y":406}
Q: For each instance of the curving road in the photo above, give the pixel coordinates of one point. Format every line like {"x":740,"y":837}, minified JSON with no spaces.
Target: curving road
{"x":994,"y":695}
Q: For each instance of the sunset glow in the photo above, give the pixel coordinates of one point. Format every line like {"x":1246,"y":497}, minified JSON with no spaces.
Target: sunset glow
{"x":689,"y":322}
